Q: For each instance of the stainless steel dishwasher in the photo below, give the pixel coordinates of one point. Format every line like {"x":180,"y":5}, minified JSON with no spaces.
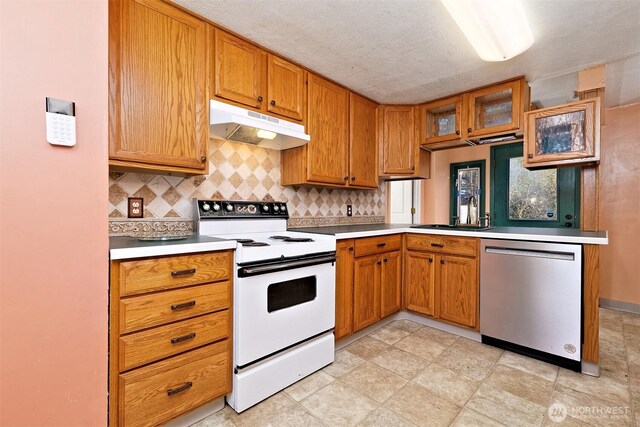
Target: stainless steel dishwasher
{"x":531,"y":299}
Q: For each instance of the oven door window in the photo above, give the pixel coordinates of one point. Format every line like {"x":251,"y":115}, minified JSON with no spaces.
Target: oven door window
{"x":290,"y":293}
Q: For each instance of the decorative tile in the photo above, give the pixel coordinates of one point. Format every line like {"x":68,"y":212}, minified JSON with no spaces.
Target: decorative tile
{"x":241,"y":171}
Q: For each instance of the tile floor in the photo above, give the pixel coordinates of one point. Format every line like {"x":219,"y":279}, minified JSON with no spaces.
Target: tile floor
{"x":406,"y":374}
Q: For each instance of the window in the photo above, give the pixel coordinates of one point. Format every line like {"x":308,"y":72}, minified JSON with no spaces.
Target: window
{"x":467,"y":192}
{"x":539,"y":198}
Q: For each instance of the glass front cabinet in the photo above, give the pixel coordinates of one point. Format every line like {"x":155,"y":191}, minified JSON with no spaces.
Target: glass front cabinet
{"x":490,"y":111}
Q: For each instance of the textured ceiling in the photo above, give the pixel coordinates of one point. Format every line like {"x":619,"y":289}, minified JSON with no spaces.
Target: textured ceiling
{"x":409,"y":51}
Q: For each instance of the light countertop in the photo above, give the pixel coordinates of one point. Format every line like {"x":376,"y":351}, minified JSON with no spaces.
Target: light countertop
{"x":557,"y":235}
{"x":132,"y":247}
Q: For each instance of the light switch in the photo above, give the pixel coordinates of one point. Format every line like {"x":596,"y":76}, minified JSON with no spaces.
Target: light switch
{"x":61,"y":122}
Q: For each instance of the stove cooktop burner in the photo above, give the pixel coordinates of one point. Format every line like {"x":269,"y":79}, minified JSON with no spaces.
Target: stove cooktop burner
{"x":252,"y":243}
{"x":292,"y":239}
{"x":244,"y":241}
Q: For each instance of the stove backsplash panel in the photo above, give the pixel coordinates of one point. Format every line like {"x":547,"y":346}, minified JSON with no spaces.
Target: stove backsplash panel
{"x":237,"y":172}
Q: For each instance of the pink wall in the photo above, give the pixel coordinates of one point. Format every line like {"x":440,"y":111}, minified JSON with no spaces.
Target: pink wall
{"x":620,"y":204}
{"x":53,"y":221}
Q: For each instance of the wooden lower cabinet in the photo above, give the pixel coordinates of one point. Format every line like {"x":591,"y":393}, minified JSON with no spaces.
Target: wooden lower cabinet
{"x":458,"y":285}
{"x":169,"y":342}
{"x":391,"y":283}
{"x":344,"y":288}
{"x":366,"y":291}
{"x":419,"y":289}
{"x":443,"y":285}
{"x":368,"y":282}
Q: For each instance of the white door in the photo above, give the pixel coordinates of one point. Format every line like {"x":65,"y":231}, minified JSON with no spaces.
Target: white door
{"x":403,"y":199}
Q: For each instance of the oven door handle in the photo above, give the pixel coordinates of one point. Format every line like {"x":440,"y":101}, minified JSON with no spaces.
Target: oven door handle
{"x":282,"y":266}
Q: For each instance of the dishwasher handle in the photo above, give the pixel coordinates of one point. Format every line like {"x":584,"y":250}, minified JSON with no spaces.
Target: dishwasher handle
{"x":562,"y":256}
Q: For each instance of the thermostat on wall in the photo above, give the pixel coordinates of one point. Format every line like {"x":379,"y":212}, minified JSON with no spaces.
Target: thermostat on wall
{"x":61,"y":122}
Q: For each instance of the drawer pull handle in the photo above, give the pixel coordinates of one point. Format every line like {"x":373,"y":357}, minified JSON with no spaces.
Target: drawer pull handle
{"x":381,"y":245}
{"x":183,"y":272}
{"x":182,"y":306}
{"x":184,"y":387}
{"x":438,"y":245}
{"x":183,"y":338}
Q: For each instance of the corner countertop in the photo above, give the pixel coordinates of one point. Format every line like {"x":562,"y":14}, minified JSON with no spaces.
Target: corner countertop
{"x":557,"y":235}
{"x":132,"y":247}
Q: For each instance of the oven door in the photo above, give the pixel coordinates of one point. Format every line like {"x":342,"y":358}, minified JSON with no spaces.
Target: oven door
{"x":277,"y":309}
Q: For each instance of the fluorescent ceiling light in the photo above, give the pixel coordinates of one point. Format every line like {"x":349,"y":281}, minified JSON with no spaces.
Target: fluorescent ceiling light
{"x":265,"y":134}
{"x":497,"y":29}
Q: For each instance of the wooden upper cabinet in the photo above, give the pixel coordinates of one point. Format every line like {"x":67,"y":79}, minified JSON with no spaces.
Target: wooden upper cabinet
{"x":496,"y":109}
{"x":458,"y":300}
{"x":158,"y":115}
{"x":363,"y":142}
{"x":238,"y":70}
{"x":398,"y":135}
{"x":286,"y":88}
{"x":443,"y":120}
{"x":328,"y":126}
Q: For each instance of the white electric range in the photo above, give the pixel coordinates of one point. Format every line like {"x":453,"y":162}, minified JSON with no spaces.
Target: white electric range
{"x":283,"y":299}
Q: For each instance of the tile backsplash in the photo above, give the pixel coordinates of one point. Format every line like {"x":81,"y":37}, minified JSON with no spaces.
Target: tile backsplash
{"x":236,"y":172}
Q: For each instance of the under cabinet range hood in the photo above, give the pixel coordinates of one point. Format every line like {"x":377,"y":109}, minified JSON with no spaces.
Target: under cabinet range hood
{"x":242,"y":125}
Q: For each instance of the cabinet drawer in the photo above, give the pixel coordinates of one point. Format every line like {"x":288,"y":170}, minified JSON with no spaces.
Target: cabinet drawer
{"x":145,"y":311}
{"x":163,"y":390}
{"x":377,"y":245}
{"x":154,"y":274}
{"x":443,"y":244}
{"x":140,"y":348}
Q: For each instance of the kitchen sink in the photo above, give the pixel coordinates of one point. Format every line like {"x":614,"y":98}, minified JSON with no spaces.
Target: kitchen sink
{"x":452,"y":227}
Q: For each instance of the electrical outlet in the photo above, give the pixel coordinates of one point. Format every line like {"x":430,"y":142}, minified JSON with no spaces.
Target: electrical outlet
{"x":135,"y":207}
{"x":349,"y":210}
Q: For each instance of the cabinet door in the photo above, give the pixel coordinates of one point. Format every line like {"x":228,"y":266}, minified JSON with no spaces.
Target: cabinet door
{"x":442,"y":120}
{"x":344,"y":288}
{"x":328,"y":125}
{"x":398,"y":139}
{"x":157,"y":70}
{"x":285,"y":88}
{"x":363,"y":142}
{"x":390,"y":283}
{"x":366,"y":291}
{"x":238,"y":70}
{"x":419,"y":282}
{"x":494,"y":109}
{"x":458,"y":286}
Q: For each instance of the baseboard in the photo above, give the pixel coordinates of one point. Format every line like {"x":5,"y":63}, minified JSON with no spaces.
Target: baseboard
{"x":406,"y":315}
{"x":620,"y":305}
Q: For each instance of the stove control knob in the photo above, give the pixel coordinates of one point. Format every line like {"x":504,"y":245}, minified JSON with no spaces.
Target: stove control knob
{"x":251,"y":209}
{"x":216,"y":207}
{"x":229,"y":207}
{"x":276,"y":208}
{"x":283,"y":207}
{"x":206,"y":206}
{"x":265,"y":208}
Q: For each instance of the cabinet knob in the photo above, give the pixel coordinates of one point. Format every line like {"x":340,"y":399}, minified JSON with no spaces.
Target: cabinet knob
{"x":259,"y":99}
{"x":386,"y":259}
{"x":379,"y":263}
{"x":273,"y":102}
{"x":346,"y":178}
{"x":469,"y":130}
{"x":350,"y":248}
{"x":457,"y":132}
{"x":203,"y":158}
{"x":431,"y":260}
{"x":353,"y":178}
{"x":441,"y":261}
{"x":529,"y":156}
{"x":413,"y":168}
